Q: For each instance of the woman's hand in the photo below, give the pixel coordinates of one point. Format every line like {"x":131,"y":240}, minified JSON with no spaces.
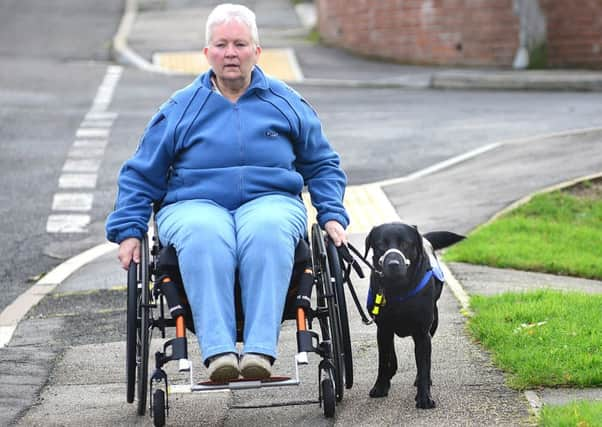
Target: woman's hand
{"x":129,"y":250}
{"x":336,"y":232}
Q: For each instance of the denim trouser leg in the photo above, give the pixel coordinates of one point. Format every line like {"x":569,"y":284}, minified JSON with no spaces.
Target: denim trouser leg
{"x":204,"y":237}
{"x":259,"y":239}
{"x":268,"y":230}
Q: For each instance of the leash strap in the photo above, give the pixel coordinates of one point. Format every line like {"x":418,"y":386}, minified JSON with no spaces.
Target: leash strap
{"x":345,"y":256}
{"x":362,"y":257}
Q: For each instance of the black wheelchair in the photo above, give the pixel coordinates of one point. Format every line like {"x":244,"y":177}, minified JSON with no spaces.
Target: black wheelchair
{"x":155,"y":284}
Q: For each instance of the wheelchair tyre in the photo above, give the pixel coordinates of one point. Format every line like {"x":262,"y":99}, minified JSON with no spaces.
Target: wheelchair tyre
{"x":131,"y":331}
{"x":143,"y":338}
{"x":326,"y":296}
{"x":328,"y":397}
{"x":337,"y":273}
{"x":159,"y":408}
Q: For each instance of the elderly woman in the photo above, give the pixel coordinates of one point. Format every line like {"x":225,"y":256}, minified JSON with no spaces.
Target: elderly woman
{"x":227,"y":158}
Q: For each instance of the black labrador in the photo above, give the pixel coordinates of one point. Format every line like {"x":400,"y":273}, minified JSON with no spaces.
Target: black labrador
{"x":404,"y":288}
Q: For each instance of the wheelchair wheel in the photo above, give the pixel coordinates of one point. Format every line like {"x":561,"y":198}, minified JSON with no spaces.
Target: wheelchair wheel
{"x":159,"y":408}
{"x":326,"y":297}
{"x":143,"y":338}
{"x":137,"y":330}
{"x":131,"y":331}
{"x":337,"y":274}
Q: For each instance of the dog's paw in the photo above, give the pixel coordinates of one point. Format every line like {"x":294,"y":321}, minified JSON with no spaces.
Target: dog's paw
{"x":425,"y":402}
{"x":380,"y":390}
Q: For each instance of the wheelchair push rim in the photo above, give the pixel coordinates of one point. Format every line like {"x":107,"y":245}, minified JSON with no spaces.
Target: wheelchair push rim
{"x":138,"y":329}
{"x":337,"y":273}
{"x":326,"y":295}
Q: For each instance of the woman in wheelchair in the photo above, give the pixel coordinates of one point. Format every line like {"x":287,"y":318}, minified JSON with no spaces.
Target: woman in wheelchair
{"x":226,"y":159}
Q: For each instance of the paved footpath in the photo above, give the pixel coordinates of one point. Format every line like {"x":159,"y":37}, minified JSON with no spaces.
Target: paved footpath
{"x":73,"y":378}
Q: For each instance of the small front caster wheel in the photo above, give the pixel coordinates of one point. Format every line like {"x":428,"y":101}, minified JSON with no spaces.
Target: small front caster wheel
{"x":159,"y":408}
{"x":328,"y":397}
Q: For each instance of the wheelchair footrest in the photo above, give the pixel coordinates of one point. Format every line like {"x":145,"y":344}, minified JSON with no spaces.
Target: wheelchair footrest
{"x":245,"y":384}
{"x":179,"y":351}
{"x":242,"y":380}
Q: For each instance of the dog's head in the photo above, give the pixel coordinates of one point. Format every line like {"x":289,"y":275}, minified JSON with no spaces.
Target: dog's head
{"x":396,"y":249}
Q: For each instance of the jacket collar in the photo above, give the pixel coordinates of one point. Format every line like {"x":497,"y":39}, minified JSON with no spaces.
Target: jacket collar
{"x":258,"y":79}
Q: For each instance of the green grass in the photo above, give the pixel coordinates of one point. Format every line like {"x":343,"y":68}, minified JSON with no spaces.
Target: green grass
{"x":577,"y":414}
{"x":542,"y":338}
{"x":555,"y":233}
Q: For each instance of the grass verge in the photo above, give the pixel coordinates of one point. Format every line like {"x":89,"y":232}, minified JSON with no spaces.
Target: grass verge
{"x":557,"y":233}
{"x":542,"y":338}
{"x":580,"y":414}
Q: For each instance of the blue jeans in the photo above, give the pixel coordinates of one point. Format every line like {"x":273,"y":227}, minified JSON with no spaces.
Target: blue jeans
{"x":258,"y":239}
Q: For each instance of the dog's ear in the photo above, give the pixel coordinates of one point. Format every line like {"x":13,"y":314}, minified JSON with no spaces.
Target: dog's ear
{"x":368,"y":243}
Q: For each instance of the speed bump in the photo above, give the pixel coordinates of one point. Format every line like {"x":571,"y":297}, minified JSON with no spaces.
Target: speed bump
{"x":279,"y":63}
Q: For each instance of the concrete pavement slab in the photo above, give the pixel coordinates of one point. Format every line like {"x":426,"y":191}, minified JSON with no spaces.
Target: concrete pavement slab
{"x":483,"y":280}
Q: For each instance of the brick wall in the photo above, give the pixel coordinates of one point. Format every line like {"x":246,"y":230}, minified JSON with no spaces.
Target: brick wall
{"x":574,"y":32}
{"x":459,"y":32}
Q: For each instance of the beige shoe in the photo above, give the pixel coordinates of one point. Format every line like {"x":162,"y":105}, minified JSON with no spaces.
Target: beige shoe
{"x":223,"y":368}
{"x":255,"y":366}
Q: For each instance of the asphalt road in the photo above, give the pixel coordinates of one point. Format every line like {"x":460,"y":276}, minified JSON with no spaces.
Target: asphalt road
{"x":45,"y":90}
{"x":53,"y":56}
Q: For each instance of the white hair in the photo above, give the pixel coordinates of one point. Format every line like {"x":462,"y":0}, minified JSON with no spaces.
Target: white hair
{"x":227,"y":12}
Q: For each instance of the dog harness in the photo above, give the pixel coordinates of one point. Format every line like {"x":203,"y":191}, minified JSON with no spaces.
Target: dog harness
{"x":375,"y":302}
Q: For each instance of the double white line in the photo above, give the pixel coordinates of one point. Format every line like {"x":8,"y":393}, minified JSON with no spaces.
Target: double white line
{"x":73,"y":202}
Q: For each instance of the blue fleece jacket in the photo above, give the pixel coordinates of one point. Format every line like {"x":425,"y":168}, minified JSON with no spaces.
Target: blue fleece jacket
{"x":200,"y":145}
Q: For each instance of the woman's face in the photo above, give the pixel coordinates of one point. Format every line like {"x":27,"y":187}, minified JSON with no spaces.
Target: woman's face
{"x":232,"y":53}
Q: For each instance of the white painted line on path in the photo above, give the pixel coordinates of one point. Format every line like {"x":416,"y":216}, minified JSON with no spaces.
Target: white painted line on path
{"x":90,"y":143}
{"x":440,"y":166}
{"x":12,"y":314}
{"x":87,"y":123}
{"x":82,"y":165}
{"x":77,"y":180}
{"x":100,"y":115}
{"x":83,"y":161}
{"x":68,"y":223}
{"x":92,"y":133}
{"x":78,"y":202}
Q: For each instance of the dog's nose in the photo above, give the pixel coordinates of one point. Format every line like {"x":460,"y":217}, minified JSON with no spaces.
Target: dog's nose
{"x":394,"y":267}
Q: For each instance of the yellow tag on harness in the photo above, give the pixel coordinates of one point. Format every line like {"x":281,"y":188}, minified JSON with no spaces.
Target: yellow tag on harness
{"x":379,"y":300}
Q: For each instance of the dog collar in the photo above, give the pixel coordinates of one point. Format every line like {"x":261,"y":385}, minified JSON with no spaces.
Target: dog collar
{"x":375,"y":302}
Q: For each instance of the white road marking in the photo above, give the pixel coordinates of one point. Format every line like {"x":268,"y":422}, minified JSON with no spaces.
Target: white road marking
{"x":12,"y":314}
{"x":86,"y":152}
{"x":77,"y":180}
{"x":92,"y":133}
{"x":96,"y":123}
{"x":100,"y":115}
{"x":83,"y":162}
{"x":90,"y":143}
{"x":81,"y":165}
{"x":68,"y":223}
{"x":78,"y":202}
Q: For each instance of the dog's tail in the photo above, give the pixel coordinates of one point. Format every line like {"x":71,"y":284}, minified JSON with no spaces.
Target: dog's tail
{"x":442,"y":239}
